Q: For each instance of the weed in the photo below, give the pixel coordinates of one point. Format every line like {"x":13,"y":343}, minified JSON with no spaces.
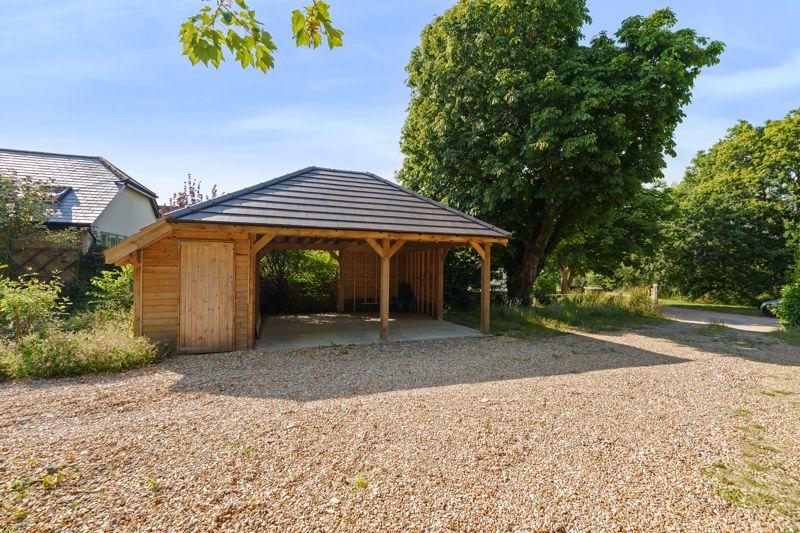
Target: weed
{"x":20,"y":514}
{"x":51,"y":481}
{"x":20,"y":486}
{"x":719,"y":464}
{"x":742,"y":412}
{"x":154,"y":484}
{"x":359,"y":482}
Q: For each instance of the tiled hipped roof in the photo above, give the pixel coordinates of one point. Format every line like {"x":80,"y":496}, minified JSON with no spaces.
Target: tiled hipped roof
{"x":336,"y":199}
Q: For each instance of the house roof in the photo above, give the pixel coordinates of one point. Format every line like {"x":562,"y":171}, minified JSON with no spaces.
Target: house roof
{"x":87,"y":183}
{"x":326,"y":198}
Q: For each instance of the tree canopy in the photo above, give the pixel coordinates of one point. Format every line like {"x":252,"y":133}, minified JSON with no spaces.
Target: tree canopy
{"x":739,"y":210}
{"x":515,"y":119}
{"x":626,"y":242}
{"x":232,"y":25}
{"x":25,"y":205}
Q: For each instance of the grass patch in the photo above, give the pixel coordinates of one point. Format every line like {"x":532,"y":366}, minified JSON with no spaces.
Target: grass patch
{"x":719,"y":308}
{"x":589,"y":312}
{"x":789,"y":337}
{"x":757,"y":480}
{"x":82,"y":346}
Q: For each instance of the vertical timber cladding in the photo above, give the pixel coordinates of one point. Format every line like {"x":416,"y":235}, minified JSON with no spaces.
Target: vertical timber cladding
{"x":206,"y":296}
{"x":360,"y":272}
{"x":360,"y":275}
{"x":423,"y":268}
{"x":160,"y":315}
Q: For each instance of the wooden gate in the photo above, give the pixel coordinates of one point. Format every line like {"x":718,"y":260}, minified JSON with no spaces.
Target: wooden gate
{"x":206,"y":297}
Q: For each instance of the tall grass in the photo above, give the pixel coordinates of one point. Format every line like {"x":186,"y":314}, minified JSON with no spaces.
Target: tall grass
{"x":96,"y":342}
{"x":590,"y":311}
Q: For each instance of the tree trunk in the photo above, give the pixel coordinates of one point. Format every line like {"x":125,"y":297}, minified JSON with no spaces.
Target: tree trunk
{"x":520,"y":282}
{"x":565,"y":278}
{"x":529,"y":260}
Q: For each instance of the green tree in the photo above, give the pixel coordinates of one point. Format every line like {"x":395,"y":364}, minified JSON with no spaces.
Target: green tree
{"x":25,"y":205}
{"x":232,"y":25}
{"x":515,"y":119}
{"x":627,"y":240}
{"x":738,"y":211}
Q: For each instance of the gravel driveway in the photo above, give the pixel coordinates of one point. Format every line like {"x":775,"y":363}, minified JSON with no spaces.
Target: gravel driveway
{"x":605,"y":431}
{"x":763,"y":324}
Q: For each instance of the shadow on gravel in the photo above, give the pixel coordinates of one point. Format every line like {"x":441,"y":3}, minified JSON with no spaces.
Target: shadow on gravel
{"x":349,"y":371}
{"x":721,"y":340}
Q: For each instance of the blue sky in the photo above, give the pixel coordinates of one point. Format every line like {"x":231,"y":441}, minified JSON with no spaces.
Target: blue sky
{"x":106,"y":78}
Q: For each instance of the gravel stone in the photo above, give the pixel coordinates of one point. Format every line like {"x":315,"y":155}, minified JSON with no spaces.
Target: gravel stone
{"x":605,"y":431}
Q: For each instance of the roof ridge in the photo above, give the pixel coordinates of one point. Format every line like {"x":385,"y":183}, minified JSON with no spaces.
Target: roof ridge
{"x":42,"y":152}
{"x":114,"y":169}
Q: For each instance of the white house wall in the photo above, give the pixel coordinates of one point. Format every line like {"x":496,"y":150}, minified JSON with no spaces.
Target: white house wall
{"x":126,"y":214}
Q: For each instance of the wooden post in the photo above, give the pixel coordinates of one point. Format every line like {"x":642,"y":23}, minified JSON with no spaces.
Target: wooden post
{"x":137,"y":293}
{"x":441,"y":253}
{"x":385,"y":262}
{"x":340,"y":283}
{"x":486,"y":289}
{"x":654,"y":293}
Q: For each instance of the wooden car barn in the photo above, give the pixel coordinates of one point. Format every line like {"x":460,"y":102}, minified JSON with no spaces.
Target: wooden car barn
{"x":196,"y":279}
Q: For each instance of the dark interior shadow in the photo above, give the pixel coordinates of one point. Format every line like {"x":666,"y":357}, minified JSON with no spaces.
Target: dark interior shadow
{"x":348,"y":371}
{"x":723,"y":340}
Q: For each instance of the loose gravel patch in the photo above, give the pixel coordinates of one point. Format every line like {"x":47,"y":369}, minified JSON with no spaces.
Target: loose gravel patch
{"x":639,"y":430}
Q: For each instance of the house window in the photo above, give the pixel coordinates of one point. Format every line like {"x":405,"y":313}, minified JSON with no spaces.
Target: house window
{"x":110,"y":239}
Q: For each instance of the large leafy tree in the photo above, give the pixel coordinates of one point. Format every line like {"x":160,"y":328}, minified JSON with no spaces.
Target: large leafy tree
{"x":627,"y":240}
{"x":739,"y":207}
{"x":232,"y":25}
{"x":515,"y":119}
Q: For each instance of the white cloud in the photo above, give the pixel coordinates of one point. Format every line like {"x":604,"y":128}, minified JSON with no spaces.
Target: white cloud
{"x":784,"y":75}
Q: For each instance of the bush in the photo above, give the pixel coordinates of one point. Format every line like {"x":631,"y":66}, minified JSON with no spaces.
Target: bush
{"x":462,"y":278}
{"x":545,"y":286}
{"x":298,"y":281}
{"x":107,"y":346}
{"x":114,"y":288}
{"x":29,"y":305}
{"x":789,"y":310}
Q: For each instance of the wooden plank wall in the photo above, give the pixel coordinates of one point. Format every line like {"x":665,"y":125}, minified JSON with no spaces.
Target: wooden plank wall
{"x":159,"y":312}
{"x":421,"y":267}
{"x":243,"y":302}
{"x":360,"y":275}
{"x":360,"y":272}
{"x":160,"y":300}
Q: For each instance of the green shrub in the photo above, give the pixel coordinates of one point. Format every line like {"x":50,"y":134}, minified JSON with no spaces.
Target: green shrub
{"x":113,"y":288}
{"x":108,"y":346}
{"x":29,"y":305}
{"x":545,"y":286}
{"x":298,"y":281}
{"x":789,"y":310}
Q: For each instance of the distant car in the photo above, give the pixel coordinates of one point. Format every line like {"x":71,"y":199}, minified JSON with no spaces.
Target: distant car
{"x":768,"y":307}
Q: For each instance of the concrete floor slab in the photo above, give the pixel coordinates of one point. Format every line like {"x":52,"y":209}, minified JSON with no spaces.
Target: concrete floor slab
{"x":305,"y":331}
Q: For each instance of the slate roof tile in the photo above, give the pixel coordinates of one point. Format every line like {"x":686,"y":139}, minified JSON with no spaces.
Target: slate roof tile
{"x":317,"y":197}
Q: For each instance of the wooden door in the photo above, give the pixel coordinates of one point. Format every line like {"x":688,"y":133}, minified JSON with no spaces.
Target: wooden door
{"x":207,"y":297}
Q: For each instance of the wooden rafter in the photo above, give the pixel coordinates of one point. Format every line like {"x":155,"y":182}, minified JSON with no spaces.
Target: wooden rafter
{"x":479,"y":248}
{"x":396,"y":247}
{"x":375,"y":246}
{"x":262,"y":242}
